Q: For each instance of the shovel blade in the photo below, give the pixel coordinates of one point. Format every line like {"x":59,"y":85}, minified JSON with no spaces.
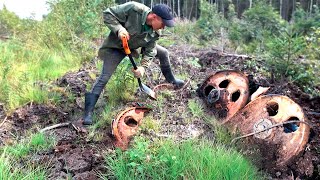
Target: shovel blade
{"x":148,"y":91}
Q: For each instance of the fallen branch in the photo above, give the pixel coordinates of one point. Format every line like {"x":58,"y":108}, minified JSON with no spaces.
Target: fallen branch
{"x":317,"y":114}
{"x":55,"y":126}
{"x":5,"y":119}
{"x":236,"y":56}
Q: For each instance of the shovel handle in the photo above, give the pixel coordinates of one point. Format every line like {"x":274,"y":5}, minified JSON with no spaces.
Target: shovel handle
{"x":127,"y":51}
{"x":125,"y":45}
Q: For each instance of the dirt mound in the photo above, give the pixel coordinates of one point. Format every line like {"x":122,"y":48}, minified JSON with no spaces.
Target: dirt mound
{"x":76,"y":157}
{"x":75,"y":81}
{"x":29,"y":117}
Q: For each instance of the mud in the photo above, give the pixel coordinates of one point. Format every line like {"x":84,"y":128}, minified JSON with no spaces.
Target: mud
{"x":76,"y":82}
{"x":78,"y":157}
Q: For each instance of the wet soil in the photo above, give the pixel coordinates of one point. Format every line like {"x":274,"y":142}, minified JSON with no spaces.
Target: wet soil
{"x":77,"y":156}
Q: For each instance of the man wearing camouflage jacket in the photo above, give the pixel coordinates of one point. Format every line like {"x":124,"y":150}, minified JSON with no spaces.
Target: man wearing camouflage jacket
{"x":141,"y":26}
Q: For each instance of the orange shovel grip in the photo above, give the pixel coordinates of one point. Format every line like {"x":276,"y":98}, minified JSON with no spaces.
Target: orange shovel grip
{"x":125,"y":45}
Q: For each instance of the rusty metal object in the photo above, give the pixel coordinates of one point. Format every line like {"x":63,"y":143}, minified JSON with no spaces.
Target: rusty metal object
{"x":288,"y":139}
{"x":226,"y":91}
{"x":126,"y":125}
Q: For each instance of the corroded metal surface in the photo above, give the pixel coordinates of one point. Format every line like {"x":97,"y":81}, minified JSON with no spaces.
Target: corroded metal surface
{"x":126,"y":125}
{"x":269,"y":110}
{"x":226,"y":91}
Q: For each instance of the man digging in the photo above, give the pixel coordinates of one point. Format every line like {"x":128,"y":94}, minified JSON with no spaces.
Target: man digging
{"x":140,"y":25}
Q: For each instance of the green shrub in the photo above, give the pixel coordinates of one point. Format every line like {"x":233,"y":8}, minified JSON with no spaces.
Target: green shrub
{"x":258,"y":23}
{"x":10,"y":24}
{"x":304,"y":21}
{"x":283,"y":60}
{"x":210,"y":23}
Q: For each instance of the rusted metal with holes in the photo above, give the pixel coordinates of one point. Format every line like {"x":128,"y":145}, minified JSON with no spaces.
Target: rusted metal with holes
{"x":270,"y":110}
{"x":226,"y":91}
{"x":126,"y":125}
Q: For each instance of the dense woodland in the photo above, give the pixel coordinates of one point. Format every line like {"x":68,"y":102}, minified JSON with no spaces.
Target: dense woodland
{"x":190,"y":9}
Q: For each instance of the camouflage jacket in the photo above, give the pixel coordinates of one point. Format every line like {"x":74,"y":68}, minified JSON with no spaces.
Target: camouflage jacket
{"x":131,"y":16}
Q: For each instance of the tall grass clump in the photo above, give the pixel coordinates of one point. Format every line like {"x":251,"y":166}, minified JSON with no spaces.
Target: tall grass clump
{"x":25,"y":73}
{"x":191,"y":159}
{"x":10,"y":156}
{"x":9,"y":170}
{"x":39,"y":52}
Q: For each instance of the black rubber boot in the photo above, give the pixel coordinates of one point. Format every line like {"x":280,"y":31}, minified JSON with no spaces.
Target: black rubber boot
{"x":166,"y":71}
{"x":89,"y":103}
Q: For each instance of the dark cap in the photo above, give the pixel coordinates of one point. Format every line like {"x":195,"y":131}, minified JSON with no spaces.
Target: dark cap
{"x":164,"y":11}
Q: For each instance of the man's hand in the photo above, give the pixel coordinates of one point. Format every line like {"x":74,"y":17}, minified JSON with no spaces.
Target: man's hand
{"x":139,"y":72}
{"x":123,"y":32}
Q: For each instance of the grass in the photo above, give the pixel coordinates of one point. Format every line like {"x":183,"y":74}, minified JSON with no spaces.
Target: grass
{"x":191,"y":159}
{"x":122,"y":84}
{"x":25,"y":73}
{"x":36,"y":142}
{"x":10,"y":156}
{"x":149,"y":123}
{"x":10,"y":171}
{"x":196,"y":108}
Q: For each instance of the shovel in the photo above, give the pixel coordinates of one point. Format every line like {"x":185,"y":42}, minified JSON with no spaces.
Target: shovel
{"x":143,"y":87}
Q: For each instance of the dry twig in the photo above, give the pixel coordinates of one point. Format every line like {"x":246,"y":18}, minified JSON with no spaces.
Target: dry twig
{"x":54,"y":126}
{"x":5,"y":119}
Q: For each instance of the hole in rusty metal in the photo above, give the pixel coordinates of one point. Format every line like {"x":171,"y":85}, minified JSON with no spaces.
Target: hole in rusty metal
{"x":235,"y":96}
{"x":208,"y":89}
{"x":224,"y":83}
{"x":291,"y":127}
{"x":129,"y":121}
{"x":272,"y":108}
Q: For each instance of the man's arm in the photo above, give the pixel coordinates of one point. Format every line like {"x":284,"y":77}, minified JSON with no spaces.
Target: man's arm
{"x":115,"y":16}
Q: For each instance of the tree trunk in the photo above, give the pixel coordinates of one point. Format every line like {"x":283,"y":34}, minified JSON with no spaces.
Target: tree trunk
{"x":280,"y":7}
{"x":293,"y":8}
{"x":304,"y":5}
{"x":179,"y":15}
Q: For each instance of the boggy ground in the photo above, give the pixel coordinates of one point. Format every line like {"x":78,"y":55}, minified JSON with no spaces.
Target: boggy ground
{"x":80,"y":157}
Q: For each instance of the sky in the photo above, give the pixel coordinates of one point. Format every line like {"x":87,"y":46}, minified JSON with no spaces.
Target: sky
{"x":26,"y":8}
